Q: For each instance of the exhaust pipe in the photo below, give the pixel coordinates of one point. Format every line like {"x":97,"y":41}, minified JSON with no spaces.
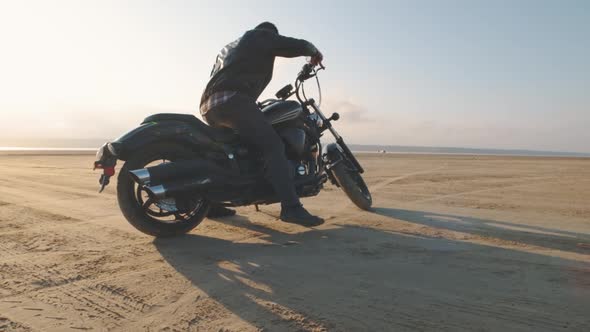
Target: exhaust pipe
{"x":158,"y":192}
{"x":213,"y":183}
{"x":167,"y":172}
{"x":194,"y":185}
{"x":141,"y":176}
{"x":198,"y":176}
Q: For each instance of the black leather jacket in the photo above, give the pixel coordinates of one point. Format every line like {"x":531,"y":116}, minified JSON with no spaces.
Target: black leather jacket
{"x":246,"y":65}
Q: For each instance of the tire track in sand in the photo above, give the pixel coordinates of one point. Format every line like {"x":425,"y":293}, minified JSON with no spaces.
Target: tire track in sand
{"x":386,"y":182}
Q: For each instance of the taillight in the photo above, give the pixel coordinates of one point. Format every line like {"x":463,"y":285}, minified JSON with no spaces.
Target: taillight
{"x":109,"y":171}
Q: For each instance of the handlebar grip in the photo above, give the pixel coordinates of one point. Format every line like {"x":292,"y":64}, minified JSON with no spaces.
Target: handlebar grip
{"x":305,"y":72}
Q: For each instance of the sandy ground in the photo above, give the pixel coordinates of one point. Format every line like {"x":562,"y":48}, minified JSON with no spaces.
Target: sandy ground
{"x":454,"y":243}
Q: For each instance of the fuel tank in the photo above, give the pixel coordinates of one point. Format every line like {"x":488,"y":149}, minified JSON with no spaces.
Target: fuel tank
{"x":282,"y":111}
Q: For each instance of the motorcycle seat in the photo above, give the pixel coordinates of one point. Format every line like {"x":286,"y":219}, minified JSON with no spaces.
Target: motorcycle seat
{"x":221,"y":135}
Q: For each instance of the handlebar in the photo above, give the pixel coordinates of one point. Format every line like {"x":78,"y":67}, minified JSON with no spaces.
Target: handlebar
{"x":308,"y":71}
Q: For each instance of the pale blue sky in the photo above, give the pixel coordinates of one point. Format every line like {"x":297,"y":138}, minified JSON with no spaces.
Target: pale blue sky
{"x":495,"y":74}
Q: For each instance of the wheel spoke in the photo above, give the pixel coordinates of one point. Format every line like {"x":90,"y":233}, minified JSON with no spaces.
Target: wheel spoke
{"x":138,"y":195}
{"x":147,"y":204}
{"x":165,"y":214}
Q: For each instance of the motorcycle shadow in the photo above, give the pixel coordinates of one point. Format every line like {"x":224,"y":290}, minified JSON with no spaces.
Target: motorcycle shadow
{"x":287,"y":281}
{"x":345,"y":277}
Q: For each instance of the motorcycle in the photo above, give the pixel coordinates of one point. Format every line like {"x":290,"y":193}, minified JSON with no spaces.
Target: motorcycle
{"x":176,"y":166}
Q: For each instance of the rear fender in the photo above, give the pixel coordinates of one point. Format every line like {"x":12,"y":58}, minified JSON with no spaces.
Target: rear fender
{"x":151,"y":132}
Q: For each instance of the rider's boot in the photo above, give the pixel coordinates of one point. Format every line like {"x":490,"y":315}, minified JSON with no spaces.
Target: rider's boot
{"x":297,"y":214}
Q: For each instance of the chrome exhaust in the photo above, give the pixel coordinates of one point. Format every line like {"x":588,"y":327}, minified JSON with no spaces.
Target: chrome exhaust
{"x":157,"y":192}
{"x":175,"y":171}
{"x":187,"y":177}
{"x":141,"y":176}
{"x":163,"y":191}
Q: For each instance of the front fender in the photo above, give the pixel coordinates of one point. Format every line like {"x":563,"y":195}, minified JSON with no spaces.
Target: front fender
{"x":152,"y":132}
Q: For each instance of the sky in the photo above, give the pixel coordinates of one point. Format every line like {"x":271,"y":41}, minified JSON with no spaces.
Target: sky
{"x":482,"y":74}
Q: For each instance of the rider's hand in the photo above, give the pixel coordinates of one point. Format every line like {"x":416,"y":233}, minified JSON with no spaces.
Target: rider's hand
{"x":317,"y":59}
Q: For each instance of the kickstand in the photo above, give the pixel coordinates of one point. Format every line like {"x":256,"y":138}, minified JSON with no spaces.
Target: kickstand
{"x":256,"y":207}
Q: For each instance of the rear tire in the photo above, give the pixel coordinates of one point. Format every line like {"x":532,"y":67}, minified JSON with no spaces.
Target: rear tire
{"x":353,"y":185}
{"x":127,"y":192}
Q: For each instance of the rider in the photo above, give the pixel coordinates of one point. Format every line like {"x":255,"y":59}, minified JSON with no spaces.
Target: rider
{"x":241,"y":72}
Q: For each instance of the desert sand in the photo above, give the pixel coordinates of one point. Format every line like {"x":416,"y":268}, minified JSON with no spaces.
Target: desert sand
{"x":454,"y":243}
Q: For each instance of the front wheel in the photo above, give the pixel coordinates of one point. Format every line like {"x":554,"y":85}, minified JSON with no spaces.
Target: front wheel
{"x":159,"y":218}
{"x":353,"y":185}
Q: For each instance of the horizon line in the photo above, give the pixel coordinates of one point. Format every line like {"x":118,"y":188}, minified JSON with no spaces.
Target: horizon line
{"x":372,"y":148}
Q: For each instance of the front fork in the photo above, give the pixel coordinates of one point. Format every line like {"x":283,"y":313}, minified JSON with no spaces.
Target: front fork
{"x":343,"y":148}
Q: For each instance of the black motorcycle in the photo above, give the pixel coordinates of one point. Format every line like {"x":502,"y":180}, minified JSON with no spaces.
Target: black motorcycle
{"x":177,"y":166}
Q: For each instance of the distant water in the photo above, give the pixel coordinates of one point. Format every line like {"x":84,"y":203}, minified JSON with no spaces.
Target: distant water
{"x":462,"y":151}
{"x":361,"y":148}
{"x":24,"y":149}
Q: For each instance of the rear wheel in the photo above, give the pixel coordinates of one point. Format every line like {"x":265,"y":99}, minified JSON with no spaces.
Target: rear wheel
{"x":353,"y":185}
{"x":160,"y":218}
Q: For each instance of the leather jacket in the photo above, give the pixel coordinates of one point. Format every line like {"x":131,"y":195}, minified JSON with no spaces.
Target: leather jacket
{"x":246,"y":65}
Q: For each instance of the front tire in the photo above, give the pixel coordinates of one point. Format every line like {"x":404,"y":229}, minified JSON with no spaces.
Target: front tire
{"x":353,"y":185}
{"x":130,"y":202}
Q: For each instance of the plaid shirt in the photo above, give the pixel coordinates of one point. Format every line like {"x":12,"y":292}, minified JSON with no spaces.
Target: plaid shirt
{"x":216,"y":99}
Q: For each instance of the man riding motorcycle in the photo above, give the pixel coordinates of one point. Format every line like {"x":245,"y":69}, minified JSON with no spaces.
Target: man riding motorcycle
{"x":241,"y":72}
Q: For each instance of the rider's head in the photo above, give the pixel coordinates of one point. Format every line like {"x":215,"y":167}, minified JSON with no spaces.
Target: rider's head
{"x":267,"y":26}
